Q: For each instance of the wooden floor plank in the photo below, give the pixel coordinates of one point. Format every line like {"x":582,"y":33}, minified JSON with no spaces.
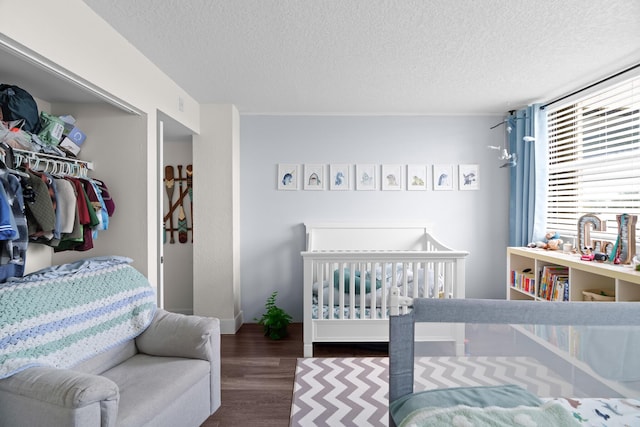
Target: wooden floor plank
{"x":258,"y":374}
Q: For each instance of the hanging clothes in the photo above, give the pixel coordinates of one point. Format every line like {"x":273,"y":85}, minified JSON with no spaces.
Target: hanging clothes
{"x":8,"y":229}
{"x":41,"y":217}
{"x":67,"y":205}
{"x":13,"y":252}
{"x":56,"y":209}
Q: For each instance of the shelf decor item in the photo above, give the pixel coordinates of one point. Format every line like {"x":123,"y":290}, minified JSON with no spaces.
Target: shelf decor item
{"x":625,"y":248}
{"x":586,"y":224}
{"x":597,"y":295}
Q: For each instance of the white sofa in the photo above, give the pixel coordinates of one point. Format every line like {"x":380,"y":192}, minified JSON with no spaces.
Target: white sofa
{"x":167,"y":376}
{"x":84,"y":344}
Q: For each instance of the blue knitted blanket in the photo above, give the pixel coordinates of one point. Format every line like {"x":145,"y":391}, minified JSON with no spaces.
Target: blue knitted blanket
{"x":61,"y":319}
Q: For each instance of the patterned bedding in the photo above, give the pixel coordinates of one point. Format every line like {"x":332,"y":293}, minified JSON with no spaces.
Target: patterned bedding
{"x":509,"y":405}
{"x":61,"y":316}
{"x":602,"y":412}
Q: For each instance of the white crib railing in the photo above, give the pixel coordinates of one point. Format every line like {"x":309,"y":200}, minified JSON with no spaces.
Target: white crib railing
{"x":336,"y":309}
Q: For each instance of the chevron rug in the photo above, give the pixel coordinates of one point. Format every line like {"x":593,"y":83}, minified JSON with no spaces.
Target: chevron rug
{"x":336,"y":392}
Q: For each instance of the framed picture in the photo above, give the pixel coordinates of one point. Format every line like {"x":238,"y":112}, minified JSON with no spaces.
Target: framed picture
{"x":391,"y":177}
{"x":366,"y":177}
{"x":288,"y":176}
{"x":340,"y":177}
{"x":442,"y":177}
{"x":417,"y":177}
{"x":314,"y":177}
{"x":468,"y":177}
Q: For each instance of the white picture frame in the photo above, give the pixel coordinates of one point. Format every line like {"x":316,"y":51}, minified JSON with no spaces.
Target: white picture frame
{"x":442,"y":177}
{"x":366,"y":177}
{"x":340,"y":177}
{"x":288,"y":176}
{"x":314,"y":177}
{"x":468,"y":177}
{"x":417,"y":177}
{"x":391,"y":177}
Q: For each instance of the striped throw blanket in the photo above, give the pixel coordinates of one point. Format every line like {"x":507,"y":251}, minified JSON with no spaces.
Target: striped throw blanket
{"x":61,"y":321}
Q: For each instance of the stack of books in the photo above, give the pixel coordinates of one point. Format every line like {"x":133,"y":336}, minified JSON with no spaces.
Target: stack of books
{"x":524,"y":280}
{"x":554,"y":283}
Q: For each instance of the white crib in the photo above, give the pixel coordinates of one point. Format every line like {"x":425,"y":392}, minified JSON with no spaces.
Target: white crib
{"x":350,"y":270}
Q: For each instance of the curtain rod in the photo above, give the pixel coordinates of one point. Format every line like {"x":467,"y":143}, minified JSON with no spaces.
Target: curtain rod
{"x":633,"y":67}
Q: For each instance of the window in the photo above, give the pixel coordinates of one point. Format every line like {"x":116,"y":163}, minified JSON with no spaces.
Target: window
{"x":594,"y":159}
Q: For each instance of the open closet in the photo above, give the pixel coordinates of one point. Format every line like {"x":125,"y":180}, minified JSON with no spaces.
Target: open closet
{"x":86,"y":69}
{"x":115,"y":150}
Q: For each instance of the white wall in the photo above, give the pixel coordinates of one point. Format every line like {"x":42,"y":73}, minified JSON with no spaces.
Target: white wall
{"x":216,"y":248}
{"x":272,"y":234}
{"x":178,"y":257}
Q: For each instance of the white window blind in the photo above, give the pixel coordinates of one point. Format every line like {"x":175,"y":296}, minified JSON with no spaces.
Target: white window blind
{"x":594,"y":158}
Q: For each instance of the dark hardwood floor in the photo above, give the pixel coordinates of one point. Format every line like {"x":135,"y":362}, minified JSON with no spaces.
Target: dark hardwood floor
{"x":258,"y":373}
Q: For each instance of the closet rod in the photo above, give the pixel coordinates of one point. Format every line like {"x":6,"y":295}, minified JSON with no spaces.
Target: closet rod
{"x":33,"y":155}
{"x":633,"y":67}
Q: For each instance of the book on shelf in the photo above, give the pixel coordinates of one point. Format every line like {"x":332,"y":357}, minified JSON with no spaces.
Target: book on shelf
{"x":554,"y":283}
{"x":560,"y":288}
{"x":524,"y":280}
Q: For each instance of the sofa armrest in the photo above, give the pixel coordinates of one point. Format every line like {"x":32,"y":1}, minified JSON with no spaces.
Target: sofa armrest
{"x":179,"y":335}
{"x":76,"y":395}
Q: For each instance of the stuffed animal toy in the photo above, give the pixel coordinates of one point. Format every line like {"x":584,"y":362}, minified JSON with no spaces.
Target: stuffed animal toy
{"x":552,"y":241}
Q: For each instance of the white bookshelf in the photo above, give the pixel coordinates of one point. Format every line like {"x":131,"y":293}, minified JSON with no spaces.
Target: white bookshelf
{"x":621,"y":280}
{"x":566,"y":341}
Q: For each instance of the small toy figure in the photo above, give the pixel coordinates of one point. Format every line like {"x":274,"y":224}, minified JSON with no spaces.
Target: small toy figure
{"x":588,"y":255}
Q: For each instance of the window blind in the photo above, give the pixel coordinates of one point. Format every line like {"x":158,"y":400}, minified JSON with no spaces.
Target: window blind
{"x":594,"y":158}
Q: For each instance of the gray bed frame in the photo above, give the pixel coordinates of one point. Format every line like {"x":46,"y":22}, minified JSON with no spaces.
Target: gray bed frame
{"x":401,"y":327}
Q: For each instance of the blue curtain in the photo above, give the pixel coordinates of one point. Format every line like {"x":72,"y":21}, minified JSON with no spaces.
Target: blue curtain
{"x":528,"y":180}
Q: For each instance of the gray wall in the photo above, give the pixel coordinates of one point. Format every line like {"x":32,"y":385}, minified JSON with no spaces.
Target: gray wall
{"x":272,"y":234}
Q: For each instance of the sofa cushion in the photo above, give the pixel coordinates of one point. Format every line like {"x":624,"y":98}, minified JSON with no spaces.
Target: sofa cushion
{"x":150,"y":386}
{"x":107,"y":360}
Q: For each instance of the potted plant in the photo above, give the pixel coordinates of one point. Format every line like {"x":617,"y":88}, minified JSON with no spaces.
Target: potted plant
{"x":275,"y":320}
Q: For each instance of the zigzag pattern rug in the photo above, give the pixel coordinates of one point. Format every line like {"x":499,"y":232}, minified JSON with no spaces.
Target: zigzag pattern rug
{"x":349,"y":391}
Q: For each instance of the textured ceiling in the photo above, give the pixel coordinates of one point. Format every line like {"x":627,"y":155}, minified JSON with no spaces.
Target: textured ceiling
{"x":380,"y":56}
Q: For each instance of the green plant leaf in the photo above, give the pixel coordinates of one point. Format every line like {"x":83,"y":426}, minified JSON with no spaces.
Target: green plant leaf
{"x":275,"y":320}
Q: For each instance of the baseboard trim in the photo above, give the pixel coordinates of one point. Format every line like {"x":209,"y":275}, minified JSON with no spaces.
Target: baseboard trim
{"x":231,"y":326}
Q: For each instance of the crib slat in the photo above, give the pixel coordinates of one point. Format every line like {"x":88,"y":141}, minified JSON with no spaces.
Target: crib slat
{"x":320,"y":278}
{"x":341,"y":288}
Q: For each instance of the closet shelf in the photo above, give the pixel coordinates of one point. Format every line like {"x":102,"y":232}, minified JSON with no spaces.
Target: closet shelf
{"x":63,"y":163}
